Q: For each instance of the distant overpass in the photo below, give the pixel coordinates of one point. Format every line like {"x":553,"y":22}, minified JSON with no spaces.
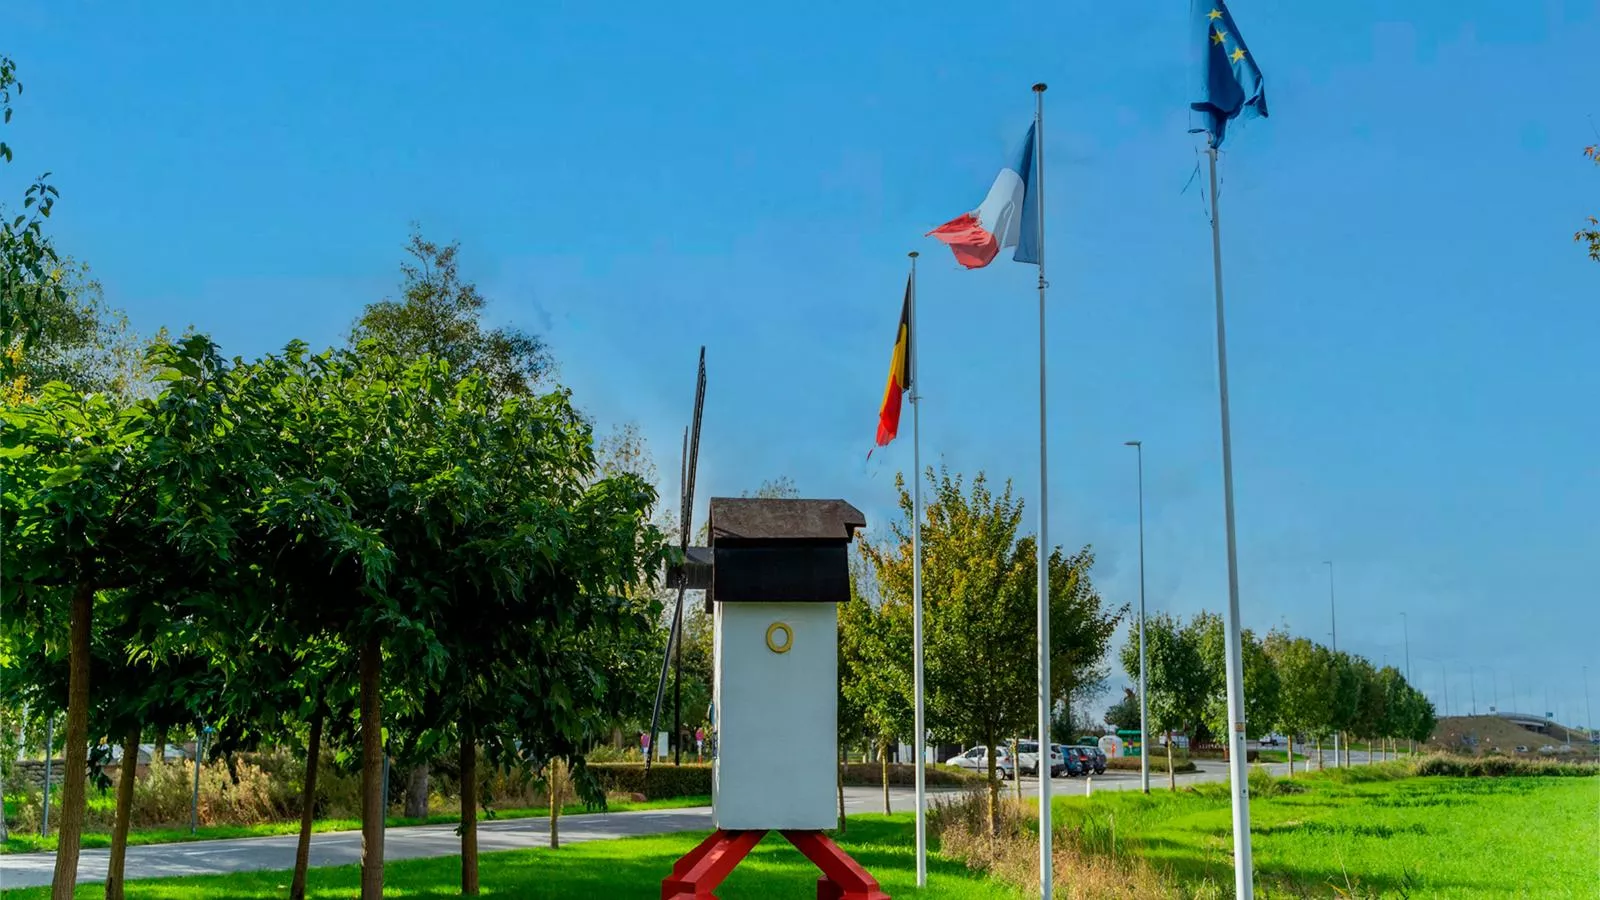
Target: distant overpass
{"x":1532,"y":721}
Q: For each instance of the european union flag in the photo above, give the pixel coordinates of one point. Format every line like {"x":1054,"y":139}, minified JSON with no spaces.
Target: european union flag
{"x":1233,"y":84}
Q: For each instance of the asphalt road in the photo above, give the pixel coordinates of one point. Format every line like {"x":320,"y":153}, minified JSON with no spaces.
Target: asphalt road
{"x":337,"y":848}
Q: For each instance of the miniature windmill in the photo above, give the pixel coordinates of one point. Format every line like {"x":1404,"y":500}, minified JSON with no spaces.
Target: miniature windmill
{"x":774,"y":575}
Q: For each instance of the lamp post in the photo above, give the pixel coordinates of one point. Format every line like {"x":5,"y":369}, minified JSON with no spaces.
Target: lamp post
{"x":1407,"y":626}
{"x":1144,"y":705}
{"x":1588,"y":716}
{"x":1333,"y":635}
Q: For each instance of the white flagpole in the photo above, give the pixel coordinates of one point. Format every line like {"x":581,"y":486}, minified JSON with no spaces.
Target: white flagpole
{"x":1238,"y":780}
{"x":920,"y":739}
{"x":1046,"y":853}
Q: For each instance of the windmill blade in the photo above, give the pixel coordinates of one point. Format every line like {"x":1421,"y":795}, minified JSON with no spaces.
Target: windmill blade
{"x":686,"y":472}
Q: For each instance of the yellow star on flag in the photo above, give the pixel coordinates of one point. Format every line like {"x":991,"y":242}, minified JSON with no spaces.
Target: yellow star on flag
{"x":1218,"y":36}
{"x":1214,"y":15}
{"x":1238,"y":54}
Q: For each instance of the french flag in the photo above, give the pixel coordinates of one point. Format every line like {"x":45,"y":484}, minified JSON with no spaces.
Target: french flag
{"x":1008,"y":217}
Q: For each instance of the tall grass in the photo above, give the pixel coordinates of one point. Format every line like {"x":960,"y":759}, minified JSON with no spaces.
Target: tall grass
{"x":1087,"y":864}
{"x":1501,"y":766}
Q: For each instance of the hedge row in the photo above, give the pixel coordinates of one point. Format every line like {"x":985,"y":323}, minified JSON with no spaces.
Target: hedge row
{"x":905,"y":774}
{"x":1158,"y":763}
{"x":665,"y":780}
{"x":1216,"y":753}
{"x":1499,"y":766}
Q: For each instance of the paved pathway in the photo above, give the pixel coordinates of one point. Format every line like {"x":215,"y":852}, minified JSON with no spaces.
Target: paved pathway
{"x":336,"y":848}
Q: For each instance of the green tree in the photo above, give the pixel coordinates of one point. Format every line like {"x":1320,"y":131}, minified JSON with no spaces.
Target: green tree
{"x":1261,"y":682}
{"x":1178,"y":682}
{"x":1306,"y":685}
{"x":440,"y":317}
{"x":979,"y":591}
{"x":1124,"y":714}
{"x":103,"y":496}
{"x":81,"y":340}
{"x":1375,"y":717}
{"x":875,"y":669}
{"x":1345,"y":711}
{"x":30,"y":267}
{"x":978,"y":609}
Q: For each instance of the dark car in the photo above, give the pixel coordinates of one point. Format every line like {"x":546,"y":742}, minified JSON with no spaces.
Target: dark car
{"x":1099,"y":759}
{"x":1084,"y":757}
{"x":1071,"y":766}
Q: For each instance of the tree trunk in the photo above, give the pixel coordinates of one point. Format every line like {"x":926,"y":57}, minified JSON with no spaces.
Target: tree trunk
{"x":883,"y":757}
{"x":1346,"y":743}
{"x":1172,"y":774}
{"x":1319,"y":753}
{"x":308,"y":811}
{"x":843,"y":755}
{"x":119,"y":829}
{"x":75,"y":779}
{"x":372,"y":811}
{"x":417,"y":793}
{"x":1016,"y":770}
{"x":555,"y":804}
{"x":469,"y":811}
{"x":160,"y":754}
{"x":1291,"y":754}
{"x":994,"y":786}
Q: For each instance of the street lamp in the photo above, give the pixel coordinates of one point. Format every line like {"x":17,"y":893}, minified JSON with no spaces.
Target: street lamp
{"x":1407,"y":626}
{"x":1333,"y":616}
{"x":1144,"y":704}
{"x":1333,"y":634}
{"x":1588,"y":716}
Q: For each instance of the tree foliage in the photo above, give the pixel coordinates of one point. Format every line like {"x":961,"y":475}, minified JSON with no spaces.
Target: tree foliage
{"x":439,"y":317}
{"x":1261,"y":682}
{"x":1124,"y":714}
{"x":31,"y":277}
{"x":979,"y":588}
{"x":1591,"y":234}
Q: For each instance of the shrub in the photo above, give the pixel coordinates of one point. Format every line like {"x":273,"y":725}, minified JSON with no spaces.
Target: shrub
{"x":871,"y":775}
{"x":1262,"y":784}
{"x":687,"y":780}
{"x":1157,"y":764}
{"x":1216,"y":753}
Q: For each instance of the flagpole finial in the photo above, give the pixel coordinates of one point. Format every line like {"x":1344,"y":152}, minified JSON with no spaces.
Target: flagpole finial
{"x":1039,"y":88}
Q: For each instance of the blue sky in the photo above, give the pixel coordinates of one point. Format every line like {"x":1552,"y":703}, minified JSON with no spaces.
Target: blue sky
{"x":1413,"y":334}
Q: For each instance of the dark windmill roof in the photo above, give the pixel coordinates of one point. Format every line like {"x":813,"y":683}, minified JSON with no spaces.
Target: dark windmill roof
{"x":757,"y":520}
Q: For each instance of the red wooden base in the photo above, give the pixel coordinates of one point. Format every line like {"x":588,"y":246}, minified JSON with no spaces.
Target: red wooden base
{"x":700,"y":870}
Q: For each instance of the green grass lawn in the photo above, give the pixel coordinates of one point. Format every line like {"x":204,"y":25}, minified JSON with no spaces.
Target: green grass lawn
{"x":631,"y":867}
{"x":1461,"y":838}
{"x":1281,"y":756}
{"x":32,"y":843}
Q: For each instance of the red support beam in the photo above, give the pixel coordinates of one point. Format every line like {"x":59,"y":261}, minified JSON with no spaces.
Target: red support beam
{"x":700,"y":870}
{"x":842,"y":877}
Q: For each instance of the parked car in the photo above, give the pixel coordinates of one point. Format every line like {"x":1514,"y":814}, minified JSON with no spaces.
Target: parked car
{"x":1071,"y":765}
{"x":1028,"y":758}
{"x":1099,"y":759}
{"x":977,"y":759}
{"x":1085,"y":758}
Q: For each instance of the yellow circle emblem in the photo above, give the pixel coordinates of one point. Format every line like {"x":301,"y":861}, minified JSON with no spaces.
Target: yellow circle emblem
{"x":779,"y":637}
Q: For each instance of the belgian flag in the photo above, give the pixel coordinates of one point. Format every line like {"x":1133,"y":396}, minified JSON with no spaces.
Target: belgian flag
{"x":899,"y":375}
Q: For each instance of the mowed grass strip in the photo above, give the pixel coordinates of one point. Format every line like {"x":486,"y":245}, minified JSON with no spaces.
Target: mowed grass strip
{"x":627,"y":867}
{"x":1466,"y":838}
{"x":19,"y":842}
